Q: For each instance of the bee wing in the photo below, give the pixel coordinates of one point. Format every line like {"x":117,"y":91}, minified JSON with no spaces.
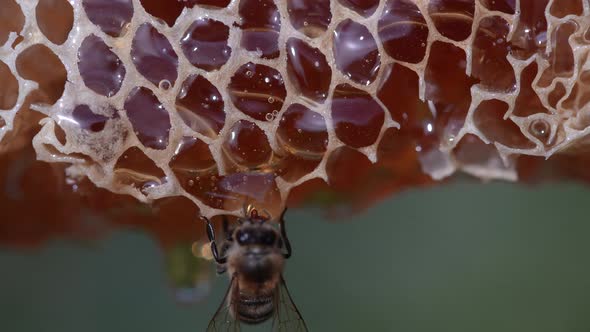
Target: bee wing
{"x":287,"y":317}
{"x":224,"y":320}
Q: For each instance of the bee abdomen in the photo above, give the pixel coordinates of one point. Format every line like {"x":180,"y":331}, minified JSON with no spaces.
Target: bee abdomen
{"x":255,"y":310}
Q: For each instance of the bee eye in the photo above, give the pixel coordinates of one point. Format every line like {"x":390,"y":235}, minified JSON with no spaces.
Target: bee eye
{"x":268,"y":238}
{"x":243,"y":237}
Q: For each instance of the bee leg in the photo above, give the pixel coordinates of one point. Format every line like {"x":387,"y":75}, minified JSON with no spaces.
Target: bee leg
{"x":211,"y":235}
{"x":284,"y":234}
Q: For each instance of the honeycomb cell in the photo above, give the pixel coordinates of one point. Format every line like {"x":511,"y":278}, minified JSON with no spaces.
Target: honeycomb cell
{"x":260,"y":24}
{"x":562,"y":8}
{"x":561,"y":58}
{"x":472,"y":151}
{"x":530,"y":33}
{"x":303,"y":132}
{"x":445,"y":75}
{"x":399,"y":93}
{"x":311,"y":17}
{"x":489,"y":119}
{"x":357,"y":117}
{"x":55,"y":19}
{"x":215,"y":4}
{"x":194,"y":167}
{"x":11,"y":19}
{"x":255,"y":188}
{"x":506,"y":6}
{"x":403,"y":31}
{"x":101,"y":70}
{"x":292,"y":167}
{"x":308,"y":70}
{"x":38,"y":63}
{"x":342,"y":163}
{"x":110,"y":15}
{"x":257,"y":90}
{"x":205,"y":44}
{"x":200,"y":106}
{"x":556,"y":94}
{"x":88,"y":120}
{"x":8,"y":88}
{"x":153,"y":55}
{"x":355,"y":52}
{"x":149,"y":118}
{"x":490,"y":50}
{"x":365,"y":8}
{"x":541,"y":130}
{"x":135,"y":169}
{"x":167,"y":11}
{"x":247,"y":145}
{"x":452,"y":18}
{"x":528,"y":102}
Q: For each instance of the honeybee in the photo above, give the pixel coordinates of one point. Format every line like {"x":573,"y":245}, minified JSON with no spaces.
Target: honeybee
{"x":253,"y":254}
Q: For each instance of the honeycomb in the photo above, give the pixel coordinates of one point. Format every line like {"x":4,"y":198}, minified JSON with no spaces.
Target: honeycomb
{"x":227,"y":102}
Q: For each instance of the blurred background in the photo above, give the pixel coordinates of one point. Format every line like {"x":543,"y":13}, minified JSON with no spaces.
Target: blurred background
{"x":464,"y":256}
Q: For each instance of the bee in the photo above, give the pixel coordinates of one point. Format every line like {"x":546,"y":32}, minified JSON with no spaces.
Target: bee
{"x":253,"y":254}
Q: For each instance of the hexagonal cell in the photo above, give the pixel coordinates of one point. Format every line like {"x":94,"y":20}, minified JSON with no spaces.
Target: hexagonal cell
{"x":101,"y":70}
{"x":205,"y":44}
{"x":399,"y":93}
{"x":355,"y":52}
{"x":561,"y":58}
{"x":530,"y":34}
{"x":214,"y":4}
{"x":308,"y":70}
{"x":38,"y":63}
{"x":343,"y":162}
{"x":311,"y":17}
{"x":257,"y":91}
{"x":8,"y":88}
{"x":153,"y":55}
{"x":55,"y":19}
{"x":490,"y":50}
{"x":303,"y":132}
{"x":135,"y":169}
{"x":149,"y":118}
{"x":11,"y":19}
{"x":357,"y":117}
{"x":403,"y":31}
{"x":452,"y":18}
{"x":259,"y":189}
{"x":167,"y":11}
{"x":541,"y":130}
{"x":196,"y":170}
{"x":260,"y":24}
{"x":527,"y":101}
{"x":562,"y":8}
{"x":445,"y":76}
{"x":472,"y":151}
{"x":506,"y":6}
{"x":86,"y":119}
{"x":111,"y":16}
{"x":303,"y":136}
{"x":364,"y":8}
{"x":489,"y":119}
{"x":247,"y":145}
{"x":200,"y":105}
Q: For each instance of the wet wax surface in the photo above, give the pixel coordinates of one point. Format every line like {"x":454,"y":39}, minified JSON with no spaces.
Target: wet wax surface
{"x":448,"y":259}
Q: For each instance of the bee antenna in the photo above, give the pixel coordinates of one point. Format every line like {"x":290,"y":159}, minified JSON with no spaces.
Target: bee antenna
{"x":266,"y":214}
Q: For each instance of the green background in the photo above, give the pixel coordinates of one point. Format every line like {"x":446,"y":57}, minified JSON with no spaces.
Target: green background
{"x":459,"y":257}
